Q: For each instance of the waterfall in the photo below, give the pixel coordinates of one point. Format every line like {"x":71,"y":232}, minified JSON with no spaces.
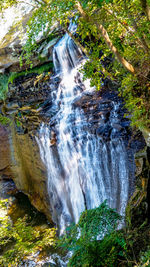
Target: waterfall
{"x":83,"y":169}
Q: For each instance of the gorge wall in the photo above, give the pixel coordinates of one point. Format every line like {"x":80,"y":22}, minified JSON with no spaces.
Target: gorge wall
{"x":21,"y":159}
{"x":29,"y":104}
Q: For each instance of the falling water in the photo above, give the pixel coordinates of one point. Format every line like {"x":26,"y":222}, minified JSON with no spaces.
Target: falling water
{"x":83,"y":170}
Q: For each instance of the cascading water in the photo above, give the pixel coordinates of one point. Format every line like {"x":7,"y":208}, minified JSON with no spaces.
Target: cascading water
{"x":83,"y":170}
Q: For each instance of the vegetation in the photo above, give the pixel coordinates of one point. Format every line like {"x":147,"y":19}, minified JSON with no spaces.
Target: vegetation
{"x":6,"y":79}
{"x":3,"y":86}
{"x":4,"y":120}
{"x":145,"y":258}
{"x":45,"y":68}
{"x":107,"y":29}
{"x":95,"y":241}
{"x":115,"y":36}
{"x":20,"y":240}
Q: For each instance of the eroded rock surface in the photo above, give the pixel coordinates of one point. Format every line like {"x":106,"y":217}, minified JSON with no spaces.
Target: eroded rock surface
{"x":29,"y":172}
{"x":5,"y":157}
{"x":19,"y":152}
{"x":28,"y":104}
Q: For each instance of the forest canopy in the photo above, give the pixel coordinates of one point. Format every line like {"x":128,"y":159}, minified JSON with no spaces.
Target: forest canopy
{"x":114,"y":31}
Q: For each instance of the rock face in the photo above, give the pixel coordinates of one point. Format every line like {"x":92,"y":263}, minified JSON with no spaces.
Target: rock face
{"x":29,"y":172}
{"x":138,"y":209}
{"x":13,"y":37}
{"x":146,"y":134}
{"x":13,"y":25}
{"x":19,"y":153}
{"x":27,"y":96}
{"x":5,"y":158}
{"x":27,"y":105}
{"x":98,"y":108}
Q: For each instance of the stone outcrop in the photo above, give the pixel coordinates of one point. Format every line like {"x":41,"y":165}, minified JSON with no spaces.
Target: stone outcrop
{"x":99,"y":108}
{"x":5,"y":158}
{"x":146,"y":134}
{"x":19,"y":153}
{"x":138,"y":209}
{"x":27,"y":105}
{"x":14,"y":37}
{"x":29,"y":173}
{"x":26,"y":98}
{"x":10,"y":60}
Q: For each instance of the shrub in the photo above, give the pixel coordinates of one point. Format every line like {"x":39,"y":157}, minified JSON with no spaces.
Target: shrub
{"x":20,"y":240}
{"x":95,"y":241}
{"x":3,"y":86}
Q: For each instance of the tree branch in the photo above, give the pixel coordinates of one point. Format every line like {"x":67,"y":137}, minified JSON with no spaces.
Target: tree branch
{"x":140,"y":41}
{"x":109,"y":43}
{"x":136,"y":28}
{"x":109,"y":75}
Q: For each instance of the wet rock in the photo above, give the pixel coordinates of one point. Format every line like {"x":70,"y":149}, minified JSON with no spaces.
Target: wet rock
{"x":118,"y":127}
{"x":7,"y":188}
{"x":125,"y":123}
{"x":104,"y":131}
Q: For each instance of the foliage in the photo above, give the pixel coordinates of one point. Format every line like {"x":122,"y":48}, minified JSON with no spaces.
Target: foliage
{"x":21,"y":240}
{"x":37,"y":70}
{"x":4,"y":120}
{"x":6,"y":79}
{"x":95,"y":241}
{"x":3,"y":86}
{"x":137,"y":100}
{"x":6,"y":3}
{"x":145,"y":258}
{"x":115,"y":36}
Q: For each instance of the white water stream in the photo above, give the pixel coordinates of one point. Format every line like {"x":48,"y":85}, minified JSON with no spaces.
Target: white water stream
{"x":82,"y":169}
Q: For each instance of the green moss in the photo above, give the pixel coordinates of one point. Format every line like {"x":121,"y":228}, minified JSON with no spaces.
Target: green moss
{"x":6,"y":79}
{"x":4,"y":120}
{"x":38,"y":70}
{"x":3,"y":86}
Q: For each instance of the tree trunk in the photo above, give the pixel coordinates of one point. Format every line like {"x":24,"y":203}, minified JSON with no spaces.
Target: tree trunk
{"x":109,"y":43}
{"x":114,"y":50}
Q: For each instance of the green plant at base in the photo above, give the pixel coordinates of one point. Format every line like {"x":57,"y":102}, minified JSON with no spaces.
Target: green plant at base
{"x":21,"y":240}
{"x":118,"y":28}
{"x":4,"y":120}
{"x":95,"y":241}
